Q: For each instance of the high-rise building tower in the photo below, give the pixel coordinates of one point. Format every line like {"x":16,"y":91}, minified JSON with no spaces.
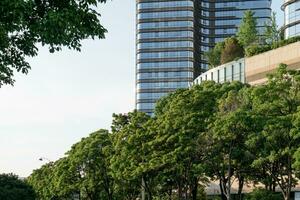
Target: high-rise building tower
{"x":173,"y":35}
{"x":291,"y":10}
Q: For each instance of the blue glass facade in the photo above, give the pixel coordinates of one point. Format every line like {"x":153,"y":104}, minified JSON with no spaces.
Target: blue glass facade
{"x":173,"y":35}
{"x":165,"y":49}
{"x":292,"y":18}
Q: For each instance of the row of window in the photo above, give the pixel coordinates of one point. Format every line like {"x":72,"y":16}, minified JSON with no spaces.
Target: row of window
{"x":166,"y":54}
{"x":234,"y":22}
{"x":226,"y":31}
{"x":244,"y":4}
{"x":228,"y":73}
{"x":171,"y":34}
{"x":233,"y":31}
{"x":170,"y":14}
{"x":163,"y":85}
{"x":167,"y":4}
{"x":158,"y":75}
{"x":145,"y":106}
{"x":169,"y":24}
{"x":240,"y":13}
{"x":150,"y":95}
{"x":154,"y":45}
{"x":156,"y":65}
{"x":292,"y":31}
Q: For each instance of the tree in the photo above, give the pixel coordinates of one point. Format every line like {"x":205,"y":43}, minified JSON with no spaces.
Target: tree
{"x":43,"y":182}
{"x":131,"y":152}
{"x":13,"y":188}
{"x":228,"y":157}
{"x":214,"y":55}
{"x":272,"y":34}
{"x":86,"y":169}
{"x":26,"y":23}
{"x":232,"y":50}
{"x":296,"y":130}
{"x":247,"y":33}
{"x":179,"y":147}
{"x":276,"y":104}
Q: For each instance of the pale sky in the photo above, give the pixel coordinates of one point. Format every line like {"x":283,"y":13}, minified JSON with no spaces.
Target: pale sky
{"x":69,"y":94}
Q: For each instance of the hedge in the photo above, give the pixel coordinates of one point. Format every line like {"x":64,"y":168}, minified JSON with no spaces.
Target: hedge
{"x":258,"y":49}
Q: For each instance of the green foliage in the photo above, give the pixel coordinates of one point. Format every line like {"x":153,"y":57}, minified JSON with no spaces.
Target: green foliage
{"x":131,"y":153}
{"x":232,"y":50}
{"x":85,"y":171}
{"x":296,"y":130}
{"x":247,"y":33}
{"x":12,"y":188}
{"x":26,"y":23}
{"x":272,"y":33}
{"x":214,"y":55}
{"x":42,"y":181}
{"x":256,"y":49}
{"x":296,"y":164}
{"x":228,"y":154}
{"x":275,"y":105}
{"x":263,"y":194}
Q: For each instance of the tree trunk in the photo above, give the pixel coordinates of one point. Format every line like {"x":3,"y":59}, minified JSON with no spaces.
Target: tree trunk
{"x":143,"y":189}
{"x":195,"y":189}
{"x":289,"y":185}
{"x":148,"y":190}
{"x":241,"y":185}
{"x":221,"y":183}
{"x":229,"y":174}
{"x":179,"y":190}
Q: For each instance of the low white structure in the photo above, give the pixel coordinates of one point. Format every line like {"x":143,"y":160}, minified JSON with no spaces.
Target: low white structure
{"x":232,"y":71}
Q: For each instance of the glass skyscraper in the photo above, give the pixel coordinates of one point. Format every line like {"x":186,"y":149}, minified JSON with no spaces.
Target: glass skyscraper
{"x":173,"y":35}
{"x":291,"y":10}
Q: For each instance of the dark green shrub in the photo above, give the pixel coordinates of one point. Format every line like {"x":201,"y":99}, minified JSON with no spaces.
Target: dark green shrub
{"x":258,"y":49}
{"x":262,"y":194}
{"x":232,"y":50}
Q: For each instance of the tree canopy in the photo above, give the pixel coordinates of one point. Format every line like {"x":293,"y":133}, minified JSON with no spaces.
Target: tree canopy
{"x":247,"y":33}
{"x":13,"y":188}
{"x":24,"y":24}
{"x":232,"y":50}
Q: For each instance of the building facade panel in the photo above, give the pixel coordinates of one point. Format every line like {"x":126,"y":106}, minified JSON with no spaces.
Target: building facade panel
{"x":291,"y":10}
{"x":165,"y":49}
{"x":232,"y":71}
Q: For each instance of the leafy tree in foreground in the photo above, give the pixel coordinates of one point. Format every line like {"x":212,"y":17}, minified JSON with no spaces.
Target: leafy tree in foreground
{"x":131,"y":152}
{"x":276,"y":103}
{"x":180,"y":147}
{"x":228,"y":157}
{"x":58,"y":23}
{"x":247,"y":33}
{"x":12,"y":188}
{"x":296,"y":131}
{"x":43,"y":182}
{"x":232,"y":50}
{"x":86,"y":169}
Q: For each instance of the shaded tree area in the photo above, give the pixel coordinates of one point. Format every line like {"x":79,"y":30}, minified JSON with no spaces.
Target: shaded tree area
{"x":228,"y":133}
{"x":55,"y":23}
{"x":13,"y":188}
